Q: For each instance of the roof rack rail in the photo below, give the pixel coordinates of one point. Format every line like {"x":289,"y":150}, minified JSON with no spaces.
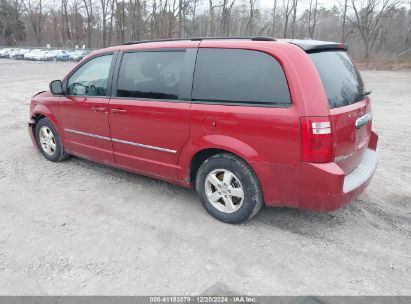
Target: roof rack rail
{"x":256,"y":38}
{"x":154,"y":40}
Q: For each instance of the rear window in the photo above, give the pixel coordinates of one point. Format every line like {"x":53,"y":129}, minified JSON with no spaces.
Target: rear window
{"x":234,"y":76}
{"x":341,"y":80}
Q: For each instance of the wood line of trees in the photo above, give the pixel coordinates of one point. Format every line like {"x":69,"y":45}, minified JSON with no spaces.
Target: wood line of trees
{"x":372,"y":28}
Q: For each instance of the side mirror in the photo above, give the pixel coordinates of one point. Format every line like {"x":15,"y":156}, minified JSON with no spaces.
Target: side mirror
{"x":56,"y":87}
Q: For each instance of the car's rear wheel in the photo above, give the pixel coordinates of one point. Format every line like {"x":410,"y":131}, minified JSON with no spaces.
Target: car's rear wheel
{"x":228,"y":188}
{"x":49,"y":142}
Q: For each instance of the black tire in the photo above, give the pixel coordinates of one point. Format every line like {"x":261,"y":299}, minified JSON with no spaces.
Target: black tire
{"x":58,"y":153}
{"x":252,"y":199}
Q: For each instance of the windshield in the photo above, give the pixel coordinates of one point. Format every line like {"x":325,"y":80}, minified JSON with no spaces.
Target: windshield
{"x":341,"y":80}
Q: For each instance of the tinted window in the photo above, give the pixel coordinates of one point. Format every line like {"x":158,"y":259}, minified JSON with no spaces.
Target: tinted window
{"x":91,"y":78}
{"x":239,"y":76}
{"x":153,"y":75}
{"x":341,"y":80}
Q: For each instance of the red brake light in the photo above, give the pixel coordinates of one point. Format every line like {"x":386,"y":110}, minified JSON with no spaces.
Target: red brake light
{"x":316,"y":139}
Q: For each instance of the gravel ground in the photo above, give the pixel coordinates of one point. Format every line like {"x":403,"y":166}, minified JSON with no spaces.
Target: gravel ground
{"x":81,"y":228}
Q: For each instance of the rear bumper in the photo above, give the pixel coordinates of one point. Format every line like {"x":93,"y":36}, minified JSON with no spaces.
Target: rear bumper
{"x":362,"y":173}
{"x":353,"y":184}
{"x":323,"y":187}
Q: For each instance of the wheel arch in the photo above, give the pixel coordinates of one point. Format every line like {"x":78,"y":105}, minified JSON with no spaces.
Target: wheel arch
{"x":197,"y":151}
{"x":40,"y":112}
{"x":202,"y":155}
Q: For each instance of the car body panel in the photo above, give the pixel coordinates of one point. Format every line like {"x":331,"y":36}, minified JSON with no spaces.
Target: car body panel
{"x":141,"y":142}
{"x":160,"y":138}
{"x":86,"y":129}
{"x":350,"y":142}
{"x":254,"y":133}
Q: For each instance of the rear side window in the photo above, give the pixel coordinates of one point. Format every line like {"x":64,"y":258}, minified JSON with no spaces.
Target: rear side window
{"x":239,"y":76}
{"x":341,"y":80}
{"x":154,"y":75}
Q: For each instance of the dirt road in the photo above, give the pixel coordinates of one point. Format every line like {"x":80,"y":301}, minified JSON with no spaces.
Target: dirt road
{"x":81,"y":228}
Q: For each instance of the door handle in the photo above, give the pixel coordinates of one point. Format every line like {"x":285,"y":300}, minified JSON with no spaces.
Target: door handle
{"x":363,"y":120}
{"x":98,"y":109}
{"x":118,"y":111}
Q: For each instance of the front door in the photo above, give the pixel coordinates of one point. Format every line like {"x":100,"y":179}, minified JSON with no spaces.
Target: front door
{"x":84,"y":111}
{"x":149,"y":122}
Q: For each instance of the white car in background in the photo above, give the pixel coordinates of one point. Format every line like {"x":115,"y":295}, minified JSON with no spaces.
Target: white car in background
{"x":52,"y":54}
{"x":78,"y":55}
{"x":4,"y":53}
{"x":17,"y":54}
{"x":39,"y":55}
{"x":31,"y":55}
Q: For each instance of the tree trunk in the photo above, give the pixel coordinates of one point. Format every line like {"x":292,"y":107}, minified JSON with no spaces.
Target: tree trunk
{"x":210,"y":21}
{"x":294,"y":18}
{"x":344,"y":21}
{"x":274,"y":18}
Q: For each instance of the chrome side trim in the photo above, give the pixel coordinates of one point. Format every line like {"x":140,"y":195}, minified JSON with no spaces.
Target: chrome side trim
{"x":142,"y":145}
{"x":121,"y":141}
{"x":87,"y":134}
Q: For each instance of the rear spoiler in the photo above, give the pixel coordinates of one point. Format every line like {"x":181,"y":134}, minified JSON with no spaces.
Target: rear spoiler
{"x":309,"y":45}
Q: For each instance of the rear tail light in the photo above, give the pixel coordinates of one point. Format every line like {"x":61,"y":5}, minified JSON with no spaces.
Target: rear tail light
{"x":316,"y":139}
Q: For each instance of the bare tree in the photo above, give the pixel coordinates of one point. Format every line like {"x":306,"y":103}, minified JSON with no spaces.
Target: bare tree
{"x":249,"y":29}
{"x":66,"y":31}
{"x":210,"y":20}
{"x":407,"y":40}
{"x":367,"y":19}
{"x":35,"y":13}
{"x":344,"y":19}
{"x":120,"y":20}
{"x":372,"y":28}
{"x":106,"y":19}
{"x":312,"y":18}
{"x":295,"y":2}
{"x":136,"y":15}
{"x":226,"y":10}
{"x":180,"y":18}
{"x":12,"y":29}
{"x":288,"y":9}
{"x":88,"y":7}
{"x":273,"y":23}
{"x":110,"y":29}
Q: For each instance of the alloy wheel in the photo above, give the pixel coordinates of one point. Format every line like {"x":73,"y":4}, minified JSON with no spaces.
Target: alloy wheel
{"x":47,"y":140}
{"x":224,"y":190}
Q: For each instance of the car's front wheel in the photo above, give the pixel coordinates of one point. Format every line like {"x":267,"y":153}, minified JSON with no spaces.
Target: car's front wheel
{"x":228,"y":188}
{"x":49,"y":142}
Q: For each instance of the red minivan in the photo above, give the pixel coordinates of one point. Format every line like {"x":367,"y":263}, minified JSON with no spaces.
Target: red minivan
{"x":247,"y":122}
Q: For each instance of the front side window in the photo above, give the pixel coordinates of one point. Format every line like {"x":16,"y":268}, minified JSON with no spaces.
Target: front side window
{"x":239,"y":76}
{"x":151,"y":74}
{"x":91,"y":78}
